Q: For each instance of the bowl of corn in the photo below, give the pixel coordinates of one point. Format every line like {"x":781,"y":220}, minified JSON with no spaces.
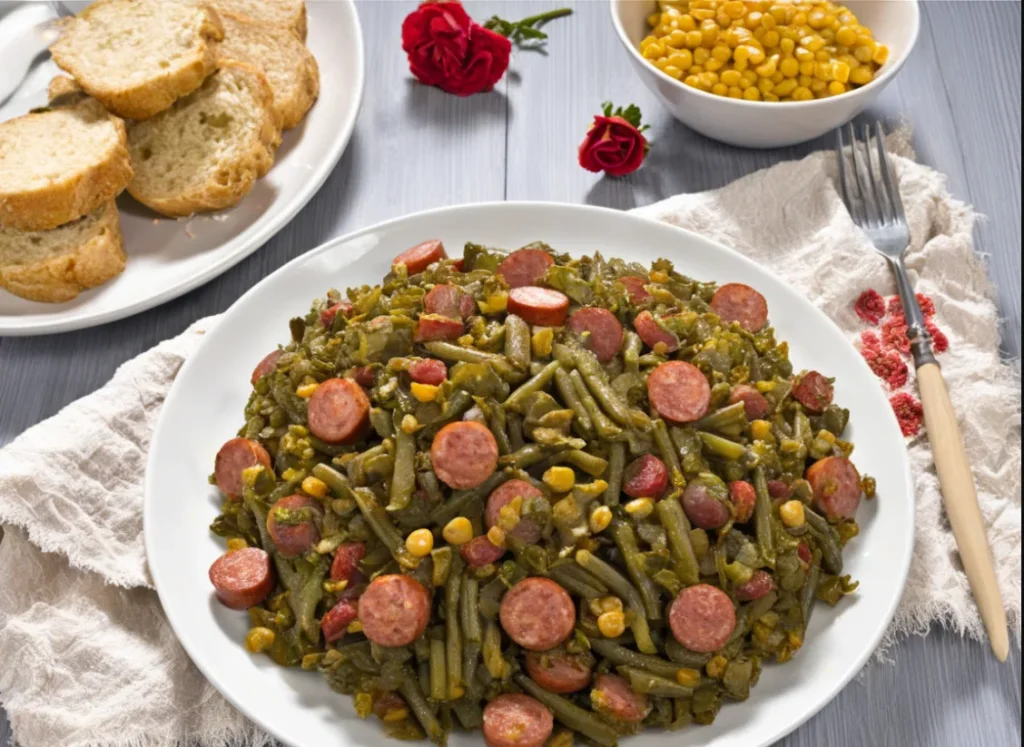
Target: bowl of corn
{"x":766,"y":73}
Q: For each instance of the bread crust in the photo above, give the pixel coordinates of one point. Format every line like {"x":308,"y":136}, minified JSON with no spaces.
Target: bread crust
{"x":296,"y":23}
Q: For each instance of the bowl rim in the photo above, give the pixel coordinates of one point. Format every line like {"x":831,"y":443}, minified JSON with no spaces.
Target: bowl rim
{"x":878,"y":83}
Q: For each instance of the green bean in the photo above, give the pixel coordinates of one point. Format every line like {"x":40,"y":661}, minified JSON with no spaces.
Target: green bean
{"x":683,"y":656}
{"x":337,"y":482}
{"x":515,"y":431}
{"x":517,"y":399}
{"x":410,"y":690}
{"x":469,"y":619}
{"x":722,"y":447}
{"x":574,"y":585}
{"x":642,"y":681}
{"x":458,"y":403}
{"x":461,"y":499}
{"x":621,"y":655}
{"x":357,"y":466}
{"x":809,"y":589}
{"x":380,"y":523}
{"x":729,"y":415}
{"x":305,"y":599}
{"x":677,"y":530}
{"x":499,"y":428}
{"x":427,"y":480}
{"x":570,"y":714}
{"x":526,"y":457}
{"x":663,"y":441}
{"x":442,"y":565}
{"x":567,"y":392}
{"x":494,"y":661}
{"x":603,"y":426}
{"x":449,"y":351}
{"x":469,"y":713}
{"x":593,"y":375}
{"x":517,"y":341}
{"x":594,"y":466}
{"x":621,"y":587}
{"x":632,"y":346}
{"x":326,"y":448}
{"x":828,"y":541}
{"x":572,"y":570}
{"x":403,"y":477}
{"x":438,"y":671}
{"x":452,"y":629}
{"x":625,"y":540}
{"x":616,"y":467}
{"x":763,"y":517}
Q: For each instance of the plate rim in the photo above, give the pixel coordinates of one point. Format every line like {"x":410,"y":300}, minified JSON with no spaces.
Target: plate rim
{"x":283,"y":217}
{"x":827,"y":694}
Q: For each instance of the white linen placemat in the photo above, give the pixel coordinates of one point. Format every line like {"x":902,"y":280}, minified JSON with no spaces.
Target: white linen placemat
{"x":88,"y":659}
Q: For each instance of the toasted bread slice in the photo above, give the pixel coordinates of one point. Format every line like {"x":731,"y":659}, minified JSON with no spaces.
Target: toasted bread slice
{"x":290,"y":68}
{"x":206,"y":151}
{"x":55,"y":265}
{"x":138,"y":56}
{"x":58,"y":164}
{"x":284,"y":14}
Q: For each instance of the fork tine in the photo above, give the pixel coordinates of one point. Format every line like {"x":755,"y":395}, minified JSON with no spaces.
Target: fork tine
{"x":882,"y":200}
{"x":895,"y":201}
{"x":870,"y":207}
{"x":845,"y":185}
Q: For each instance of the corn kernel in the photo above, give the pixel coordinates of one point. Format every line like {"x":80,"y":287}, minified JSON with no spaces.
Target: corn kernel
{"x":861,"y":76}
{"x":713,"y":65}
{"x":356,"y":626}
{"x":333,"y":587}
{"x":881,"y":54}
{"x":730,"y":78}
{"x":363,"y":703}
{"x":682,"y":59}
{"x":641,"y":508}
{"x":761,"y":430}
{"x":259,"y":639}
{"x":792,"y":514}
{"x":290,"y":475}
{"x":496,"y":303}
{"x":237,"y":543}
{"x":688,"y":677}
{"x":687,"y":23}
{"x":701,"y":55}
{"x":735,"y":92}
{"x":419,"y":543}
{"x":306,"y":390}
{"x":677,"y":38}
{"x":752,"y":94}
{"x":611,"y":624}
{"x":716,"y":667}
{"x":458,"y":531}
{"x":601,"y":516}
{"x":802,"y":93}
{"x":423,"y":392}
{"x":496,"y":535}
{"x":560,"y":479}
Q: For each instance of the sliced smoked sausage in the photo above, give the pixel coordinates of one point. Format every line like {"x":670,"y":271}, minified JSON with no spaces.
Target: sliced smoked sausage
{"x":428,"y":371}
{"x":541,"y":306}
{"x":702,"y":618}
{"x":242,"y":578}
{"x":814,"y":392}
{"x":291,"y":523}
{"x":328,"y":314}
{"x":449,"y":300}
{"x":480,"y":551}
{"x":653,"y":334}
{"x":337,"y":619}
{"x":743,"y":497}
{"x":436,"y":328}
{"x":759,"y":584}
{"x":394,"y":610}
{"x":538,"y":614}
{"x":265,"y":366}
{"x":836,"y":485}
{"x":527,"y":529}
{"x":525,"y":267}
{"x":736,"y":302}
{"x":635,"y":288}
{"x":339,"y":411}
{"x":613,"y":697}
{"x":599,"y":330}
{"x":754,"y":403}
{"x":345,"y":566}
{"x":679,"y":392}
{"x":516,"y":720}
{"x":645,"y":477}
{"x":464,"y":454}
{"x":702,"y":508}
{"x":421,"y":256}
{"x":558,"y":671}
{"x":234,"y":457}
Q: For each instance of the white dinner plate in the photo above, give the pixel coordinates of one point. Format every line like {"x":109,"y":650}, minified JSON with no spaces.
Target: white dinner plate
{"x":168,"y":257}
{"x":204,"y":408}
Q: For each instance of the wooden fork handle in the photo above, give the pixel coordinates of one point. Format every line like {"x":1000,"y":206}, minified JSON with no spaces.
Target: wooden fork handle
{"x":961,"y":501}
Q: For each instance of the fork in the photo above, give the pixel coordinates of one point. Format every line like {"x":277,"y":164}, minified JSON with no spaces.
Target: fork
{"x":25,"y":34}
{"x":873,"y":201}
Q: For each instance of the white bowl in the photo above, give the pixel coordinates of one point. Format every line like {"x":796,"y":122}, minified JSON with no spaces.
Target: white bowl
{"x":762,"y":124}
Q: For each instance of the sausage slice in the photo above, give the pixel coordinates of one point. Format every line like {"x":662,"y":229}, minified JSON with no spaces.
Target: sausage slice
{"x":394,"y":610}
{"x":421,"y":256}
{"x":736,"y":302}
{"x":265,"y":366}
{"x":702,"y":618}
{"x":653,"y":333}
{"x":599,"y":330}
{"x":339,"y":411}
{"x":242,"y":578}
{"x":702,"y":508}
{"x":743,"y":497}
{"x":635,"y":288}
{"x":679,"y":392}
{"x":449,"y":300}
{"x":345,"y":566}
{"x":754,"y":403}
{"x":613,"y":697}
{"x":435,"y":328}
{"x":537,"y":613}
{"x":759,"y":584}
{"x":527,"y":529}
{"x":328,"y":314}
{"x":464,"y":454}
{"x":836,"y":485}
{"x":480,"y":551}
{"x":337,"y":619}
{"x":814,"y":392}
{"x":541,"y":306}
{"x":234,"y":457}
{"x":428,"y":371}
{"x":292,"y":533}
{"x":525,"y":267}
{"x":559,"y":672}
{"x":516,"y":720}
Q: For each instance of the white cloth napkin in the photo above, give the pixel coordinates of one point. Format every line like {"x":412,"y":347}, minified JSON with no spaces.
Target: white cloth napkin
{"x":87,"y":658}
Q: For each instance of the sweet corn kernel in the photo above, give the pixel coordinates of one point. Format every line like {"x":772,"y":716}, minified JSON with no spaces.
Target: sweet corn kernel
{"x":881,"y":54}
{"x":458,"y":531}
{"x":423,"y":392}
{"x":355,"y":626}
{"x":465,"y":341}
{"x":682,"y":59}
{"x":641,"y":507}
{"x":752,"y":94}
{"x":419,"y":543}
{"x":314,"y":486}
{"x":735,"y":92}
{"x":306,"y":390}
{"x":600,"y":518}
{"x":730,"y":78}
{"x":761,"y":430}
{"x":559,"y":479}
{"x":409,"y":424}
{"x":802,"y":93}
{"x":716,"y":667}
{"x":363,"y":703}
{"x":290,"y":475}
{"x":688,"y":677}
{"x":497,"y":536}
{"x":237,"y":543}
{"x":840,"y":71}
{"x":713,"y":65}
{"x":792,"y":514}
{"x":611,"y":624}
{"x":259,"y":639}
{"x":498,"y":302}
{"x":333,"y":587}
{"x":861,"y":76}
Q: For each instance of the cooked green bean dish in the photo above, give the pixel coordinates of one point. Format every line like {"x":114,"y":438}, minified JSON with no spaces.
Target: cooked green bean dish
{"x":551,"y":498}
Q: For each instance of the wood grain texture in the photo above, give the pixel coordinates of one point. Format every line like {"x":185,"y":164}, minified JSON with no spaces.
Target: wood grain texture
{"x":416,"y":148}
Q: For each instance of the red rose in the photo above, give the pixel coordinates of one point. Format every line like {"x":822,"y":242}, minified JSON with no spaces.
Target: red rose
{"x":448,"y":50}
{"x":613,"y":145}
{"x":870,"y":306}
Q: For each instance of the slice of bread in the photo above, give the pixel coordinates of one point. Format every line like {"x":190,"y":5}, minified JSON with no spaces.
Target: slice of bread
{"x":206,"y":151}
{"x":285,"y":14}
{"x":60,"y":163}
{"x":138,"y":56}
{"x":54,"y":266}
{"x":290,"y":68}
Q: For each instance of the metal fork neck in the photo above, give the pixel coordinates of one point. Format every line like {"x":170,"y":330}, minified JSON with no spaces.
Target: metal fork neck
{"x":917,"y":332}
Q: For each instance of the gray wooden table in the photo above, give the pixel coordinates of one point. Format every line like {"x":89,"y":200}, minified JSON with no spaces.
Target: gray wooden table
{"x":416,"y":148}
